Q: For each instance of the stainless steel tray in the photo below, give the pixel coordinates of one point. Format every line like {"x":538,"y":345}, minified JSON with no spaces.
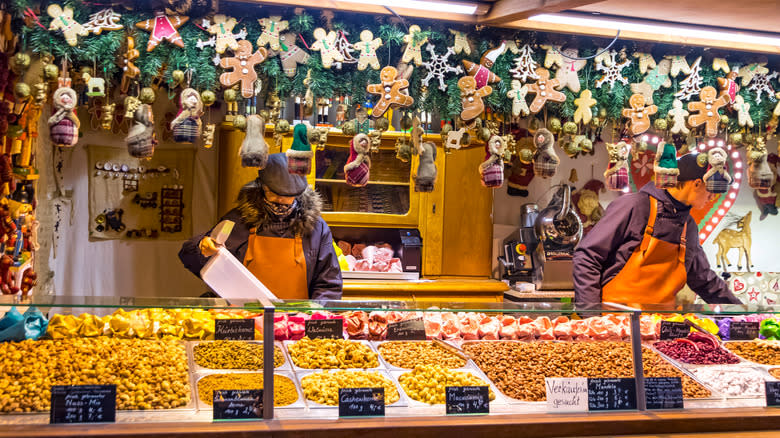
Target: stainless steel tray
{"x":402,"y":400}
{"x":202,"y":406}
{"x":197,"y":368}
{"x":380,"y":364}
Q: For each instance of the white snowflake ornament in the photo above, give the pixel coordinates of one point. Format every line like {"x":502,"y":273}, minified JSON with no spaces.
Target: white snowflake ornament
{"x":612,"y":72}
{"x":438,"y":66}
{"x":760,"y":84}
{"x":525,"y":66}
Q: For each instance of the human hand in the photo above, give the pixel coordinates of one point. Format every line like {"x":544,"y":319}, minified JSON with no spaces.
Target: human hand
{"x":208,"y":247}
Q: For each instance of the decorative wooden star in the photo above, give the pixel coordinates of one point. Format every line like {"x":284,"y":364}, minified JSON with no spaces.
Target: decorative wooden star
{"x":163,"y":27}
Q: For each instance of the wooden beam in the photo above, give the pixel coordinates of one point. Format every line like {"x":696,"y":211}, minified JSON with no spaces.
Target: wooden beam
{"x":504,"y":11}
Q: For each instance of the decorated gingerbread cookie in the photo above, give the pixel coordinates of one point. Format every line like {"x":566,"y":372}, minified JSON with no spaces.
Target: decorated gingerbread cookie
{"x":62,"y":20}
{"x":679,"y":65}
{"x":567,"y":75}
{"x":391,"y":92}
{"x":748,"y":72}
{"x":613,"y":72}
{"x":222,"y":28}
{"x":129,"y":70}
{"x":678,"y":115}
{"x":367,"y":46}
{"x":583,"y":113}
{"x":553,"y":56}
{"x":325,"y":43}
{"x":471,"y":98}
{"x":707,"y":110}
{"x":721,"y":64}
{"x":290,"y":54}
{"x":544,"y":90}
{"x":639,"y":114}
{"x":743,"y":112}
{"x":461,"y":44}
{"x":645,"y":61}
{"x":438,"y":66}
{"x":517,"y":95}
{"x":242,"y":67}
{"x":728,"y":86}
{"x":413,"y":51}
{"x":163,"y":27}
{"x":273,"y":26}
{"x":656,"y":78}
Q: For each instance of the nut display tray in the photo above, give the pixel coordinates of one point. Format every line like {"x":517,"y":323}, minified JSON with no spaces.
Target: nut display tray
{"x":727,"y":344}
{"x":197,"y":368}
{"x":377,"y":344}
{"x":380,"y":365}
{"x":742,"y":367}
{"x":402,"y":400}
{"x":205,"y":406}
{"x":499,"y":397}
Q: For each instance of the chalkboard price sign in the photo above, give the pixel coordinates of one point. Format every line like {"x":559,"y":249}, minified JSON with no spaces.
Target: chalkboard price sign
{"x":83,"y":404}
{"x":238,"y":404}
{"x":325,"y":328}
{"x":773,"y":394}
{"x":234,"y":329}
{"x":361,"y":402}
{"x":674,"y":330}
{"x":409,"y":330}
{"x":467,"y":400}
{"x":611,"y":394}
{"x":743,"y":330}
{"x":663,"y":392}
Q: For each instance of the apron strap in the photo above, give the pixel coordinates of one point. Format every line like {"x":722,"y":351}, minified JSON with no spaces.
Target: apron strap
{"x":650,"y":224}
{"x":683,"y":243}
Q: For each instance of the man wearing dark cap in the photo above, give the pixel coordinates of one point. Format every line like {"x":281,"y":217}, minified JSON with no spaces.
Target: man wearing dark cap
{"x":279,"y":235}
{"x":646,"y":247}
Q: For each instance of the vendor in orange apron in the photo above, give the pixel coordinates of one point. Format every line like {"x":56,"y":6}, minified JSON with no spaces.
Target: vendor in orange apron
{"x":646,"y":247}
{"x":279,"y":235}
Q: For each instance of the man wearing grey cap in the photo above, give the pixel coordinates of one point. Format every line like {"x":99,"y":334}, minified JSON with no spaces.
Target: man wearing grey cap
{"x":646,"y":247}
{"x":279,"y":235}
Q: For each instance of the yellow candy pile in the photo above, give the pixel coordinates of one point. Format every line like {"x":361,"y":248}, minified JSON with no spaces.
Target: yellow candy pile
{"x":141,"y":323}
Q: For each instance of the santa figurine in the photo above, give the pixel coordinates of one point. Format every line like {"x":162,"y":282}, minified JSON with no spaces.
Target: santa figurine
{"x":586,"y":203}
{"x":767,"y":198}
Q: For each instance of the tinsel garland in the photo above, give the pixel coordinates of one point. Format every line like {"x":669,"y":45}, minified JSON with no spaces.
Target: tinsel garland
{"x":104,"y":51}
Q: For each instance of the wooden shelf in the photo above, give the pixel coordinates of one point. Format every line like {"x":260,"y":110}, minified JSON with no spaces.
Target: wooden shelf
{"x":376,"y":183}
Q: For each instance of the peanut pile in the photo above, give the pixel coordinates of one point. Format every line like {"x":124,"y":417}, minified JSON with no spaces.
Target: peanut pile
{"x":410,"y":354}
{"x":428,"y":383}
{"x":763,"y":352}
{"x":323,"y":388}
{"x":518,"y":369}
{"x":233,"y":355}
{"x":332,"y":353}
{"x":148,"y":374}
{"x":284,"y":388}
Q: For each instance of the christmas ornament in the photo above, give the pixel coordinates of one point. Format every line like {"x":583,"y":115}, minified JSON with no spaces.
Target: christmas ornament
{"x":645,"y":61}
{"x":569,"y":128}
{"x":222,"y":29}
{"x":242,"y":67}
{"x":403,"y":150}
{"x":300,"y":154}
{"x":612,"y":72}
{"x":62,"y":20}
{"x":748,"y":72}
{"x":325,"y":43}
{"x":64,"y":124}
{"x":20,"y":63}
{"x":414,"y":43}
{"x":656,"y":78}
{"x":461,"y":43}
{"x":586,"y":203}
{"x":544,"y":90}
{"x":438,"y":66}
{"x":707,"y":110}
{"x":586,"y":145}
{"x":690,"y":86}
{"x":208,"y":135}
{"x":660,"y":124}
{"x":721,"y":64}
{"x":545,"y":159}
{"x":583,"y":113}
{"x":728,"y":86}
{"x":425,"y":178}
{"x":254,"y":150}
{"x":760,"y":175}
{"x":525,"y":66}
{"x":319,"y":137}
{"x":107,"y":116}
{"x":141,"y":139}
{"x":554,"y":125}
{"x":345,"y":48}
{"x":21,"y":91}
{"x":95,"y":87}
{"x":129,"y":70}
{"x":679,"y":64}
{"x":761,"y":84}
{"x":239,"y":122}
{"x":358,"y":167}
{"x":471,"y":98}
{"x":391,"y":92}
{"x":743,"y":112}
{"x":717,"y":179}
{"x":567,"y":75}
{"x":491,"y":170}
{"x":455,"y":138}
{"x":163,"y":27}
{"x":521,"y":172}
{"x":553,"y":56}
{"x":208,"y":97}
{"x":517,"y":94}
{"x":367,"y":46}
{"x":147,"y":95}
{"x":131,"y":104}
{"x":186,"y":126}
{"x":281,"y":127}
{"x":481,"y":72}
{"x":95,"y":110}
{"x":616,"y":174}
{"x":50,"y":72}
{"x":678,"y":115}
{"x":177,"y":77}
{"x":736,"y":138}
{"x":272,"y":27}
{"x":665,"y":166}
{"x":291,"y":55}
{"x":639,"y":114}
{"x":105,"y":19}
{"x":776,"y":112}
{"x":603,"y":57}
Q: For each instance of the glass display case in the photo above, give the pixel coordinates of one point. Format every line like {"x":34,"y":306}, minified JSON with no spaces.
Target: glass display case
{"x":162,"y":357}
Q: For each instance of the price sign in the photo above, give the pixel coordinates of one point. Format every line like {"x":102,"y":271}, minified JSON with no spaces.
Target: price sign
{"x":743,"y":330}
{"x":409,"y":330}
{"x":611,"y":394}
{"x":325,"y":328}
{"x":674,"y":330}
{"x":663,"y":392}
{"x":234,"y":329}
{"x":238,"y":404}
{"x":772,"y":394}
{"x":566,"y":394}
{"x":361,"y":402}
{"x":83,"y":404}
{"x":467,"y":400}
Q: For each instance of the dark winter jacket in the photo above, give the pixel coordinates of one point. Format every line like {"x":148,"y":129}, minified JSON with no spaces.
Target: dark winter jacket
{"x":322,"y":268}
{"x":606,"y":249}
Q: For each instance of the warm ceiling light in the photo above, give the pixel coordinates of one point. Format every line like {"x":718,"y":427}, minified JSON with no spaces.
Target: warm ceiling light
{"x":448,"y":7}
{"x":661,"y":29}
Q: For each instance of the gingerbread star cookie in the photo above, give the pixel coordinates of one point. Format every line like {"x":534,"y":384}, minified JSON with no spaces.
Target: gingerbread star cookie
{"x":163,"y":27}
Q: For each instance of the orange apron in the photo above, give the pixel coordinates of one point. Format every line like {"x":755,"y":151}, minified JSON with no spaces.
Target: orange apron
{"x":653,"y":274}
{"x":279,"y":263}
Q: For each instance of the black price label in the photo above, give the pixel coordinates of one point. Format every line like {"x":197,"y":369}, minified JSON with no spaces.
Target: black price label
{"x":674,"y":330}
{"x":325,"y":328}
{"x":409,"y":330}
{"x":83,"y":404}
{"x":743,"y":330}
{"x":238,"y":404}
{"x":361,"y":402}
{"x":772,"y":394}
{"x":611,"y":394}
{"x":467,"y":400}
{"x":234,"y":329}
{"x":663,"y":392}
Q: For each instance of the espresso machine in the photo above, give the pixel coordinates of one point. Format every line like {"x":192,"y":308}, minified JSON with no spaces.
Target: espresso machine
{"x":542,"y":248}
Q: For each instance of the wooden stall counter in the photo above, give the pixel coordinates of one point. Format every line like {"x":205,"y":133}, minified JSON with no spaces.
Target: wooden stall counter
{"x":427,"y":290}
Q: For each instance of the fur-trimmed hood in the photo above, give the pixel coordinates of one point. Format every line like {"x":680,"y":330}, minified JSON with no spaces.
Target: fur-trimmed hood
{"x":304,"y":219}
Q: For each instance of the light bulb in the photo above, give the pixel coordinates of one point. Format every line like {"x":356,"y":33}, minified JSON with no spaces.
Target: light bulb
{"x":711,"y":143}
{"x":738,"y":175}
{"x":738,"y":165}
{"x":732,"y":195}
{"x":735,"y":155}
{"x":727,"y":204}
{"x":708,"y":227}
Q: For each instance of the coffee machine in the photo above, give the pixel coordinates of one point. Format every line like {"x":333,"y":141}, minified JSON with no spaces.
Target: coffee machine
{"x":541,"y":250}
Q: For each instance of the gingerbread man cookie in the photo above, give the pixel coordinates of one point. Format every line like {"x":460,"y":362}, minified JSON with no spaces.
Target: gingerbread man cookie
{"x":461,"y":43}
{"x":728,"y":86}
{"x":583,"y":113}
{"x":679,"y":64}
{"x":471,"y":98}
{"x":291,"y":55}
{"x":645,"y":60}
{"x":367,"y":48}
{"x":567,"y":75}
{"x":707,"y":109}
{"x":721,"y":64}
{"x":748,"y":72}
{"x":62,"y":20}
{"x":243,"y":65}
{"x":639,"y":114}
{"x":272,"y":27}
{"x":553,"y":56}
{"x":544,"y":89}
{"x":392,"y":92}
{"x":603,"y":58}
{"x":517,"y":94}
{"x":413,"y":51}
{"x":678,"y":115}
{"x":326,"y":44}
{"x":656,"y":78}
{"x":222,"y":29}
{"x":129,"y":70}
{"x":743,"y":112}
